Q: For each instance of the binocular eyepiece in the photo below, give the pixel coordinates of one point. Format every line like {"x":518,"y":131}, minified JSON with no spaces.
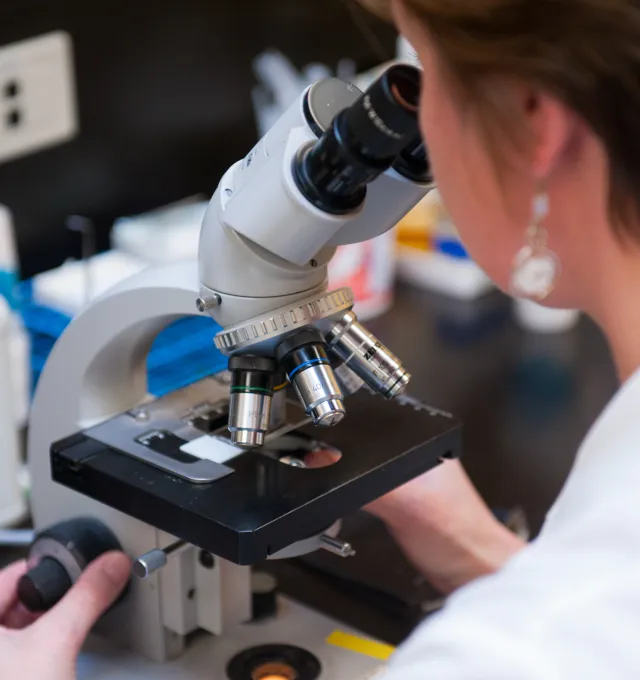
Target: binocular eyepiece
{"x":378,"y":132}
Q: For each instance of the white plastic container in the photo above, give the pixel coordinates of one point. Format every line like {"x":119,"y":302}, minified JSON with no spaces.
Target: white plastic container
{"x":70,"y":287}
{"x":430,"y":254}
{"x":165,"y":235}
{"x":535,"y":318}
{"x":369,"y":269}
{"x":13,"y":506}
{"x":18,"y":338}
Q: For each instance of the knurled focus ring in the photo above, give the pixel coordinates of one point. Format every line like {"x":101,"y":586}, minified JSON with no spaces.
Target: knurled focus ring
{"x":284,"y":320}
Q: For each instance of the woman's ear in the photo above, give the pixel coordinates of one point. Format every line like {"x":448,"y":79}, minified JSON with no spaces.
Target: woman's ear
{"x":552,"y":127}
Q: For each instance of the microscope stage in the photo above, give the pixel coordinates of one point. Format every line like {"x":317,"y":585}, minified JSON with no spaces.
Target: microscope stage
{"x":254,"y":504}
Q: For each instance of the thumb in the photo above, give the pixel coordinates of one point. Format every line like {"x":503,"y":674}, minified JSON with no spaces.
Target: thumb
{"x":72,"y":619}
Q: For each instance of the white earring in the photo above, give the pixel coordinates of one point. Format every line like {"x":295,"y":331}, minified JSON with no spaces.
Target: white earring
{"x":536,"y":267}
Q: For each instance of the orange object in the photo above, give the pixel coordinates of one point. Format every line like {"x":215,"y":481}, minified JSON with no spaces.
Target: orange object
{"x":417,"y":228}
{"x":369,"y":270}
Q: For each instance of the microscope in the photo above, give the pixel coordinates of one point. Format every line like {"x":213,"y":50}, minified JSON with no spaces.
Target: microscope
{"x":203,"y":485}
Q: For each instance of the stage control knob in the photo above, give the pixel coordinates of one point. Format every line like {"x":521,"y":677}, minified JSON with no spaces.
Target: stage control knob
{"x":57,"y":558}
{"x":44,"y":586}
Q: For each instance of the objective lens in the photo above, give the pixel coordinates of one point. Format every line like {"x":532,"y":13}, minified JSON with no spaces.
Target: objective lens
{"x":367,"y":357}
{"x":362,"y":143}
{"x":251,"y":396}
{"x":348,"y":381}
{"x":304,"y":358}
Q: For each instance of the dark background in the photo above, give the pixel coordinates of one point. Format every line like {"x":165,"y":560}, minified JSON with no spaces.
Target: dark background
{"x":164,"y":101}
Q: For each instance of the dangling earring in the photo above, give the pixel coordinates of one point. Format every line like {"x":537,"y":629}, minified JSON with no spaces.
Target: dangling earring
{"x":536,"y":268}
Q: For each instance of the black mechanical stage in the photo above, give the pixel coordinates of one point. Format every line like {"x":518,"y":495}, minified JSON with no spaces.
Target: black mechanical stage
{"x":170,"y":464}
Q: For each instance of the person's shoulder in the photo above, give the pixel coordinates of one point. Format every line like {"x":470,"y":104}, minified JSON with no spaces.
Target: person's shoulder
{"x":567,"y":604}
{"x":605,"y":480}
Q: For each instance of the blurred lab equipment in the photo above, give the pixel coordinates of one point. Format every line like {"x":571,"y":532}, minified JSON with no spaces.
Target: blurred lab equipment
{"x":16,"y":538}
{"x":369,"y":270}
{"x":168,"y":234}
{"x":14,"y":379}
{"x":180,"y":354}
{"x":65,"y":288}
{"x":537,"y":318}
{"x":16,"y":334}
{"x":13,"y":505}
{"x":431,"y":255}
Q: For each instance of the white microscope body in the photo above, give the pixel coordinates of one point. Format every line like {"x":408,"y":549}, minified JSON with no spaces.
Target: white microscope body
{"x":265,"y":244}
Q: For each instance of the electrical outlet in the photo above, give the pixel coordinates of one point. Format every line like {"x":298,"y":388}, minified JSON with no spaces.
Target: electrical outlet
{"x":37,"y":95}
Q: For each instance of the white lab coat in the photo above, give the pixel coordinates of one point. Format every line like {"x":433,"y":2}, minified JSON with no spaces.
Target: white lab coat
{"x":568,"y":606}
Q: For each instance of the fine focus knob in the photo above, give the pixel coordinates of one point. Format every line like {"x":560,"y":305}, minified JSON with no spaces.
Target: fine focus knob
{"x":57,"y":558}
{"x":44,"y":586}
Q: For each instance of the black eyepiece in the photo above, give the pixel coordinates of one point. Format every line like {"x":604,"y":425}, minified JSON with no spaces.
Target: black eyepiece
{"x":405,"y":88}
{"x":413,"y":162}
{"x":363,"y":142}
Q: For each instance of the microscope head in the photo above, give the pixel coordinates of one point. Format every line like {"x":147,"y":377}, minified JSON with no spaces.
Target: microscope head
{"x":333,"y":175}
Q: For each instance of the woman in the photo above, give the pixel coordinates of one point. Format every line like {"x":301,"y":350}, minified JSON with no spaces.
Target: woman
{"x":531,"y":111}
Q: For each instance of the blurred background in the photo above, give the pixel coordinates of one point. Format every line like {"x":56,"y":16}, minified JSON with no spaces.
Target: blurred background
{"x":164,"y":101}
{"x":112,"y":111}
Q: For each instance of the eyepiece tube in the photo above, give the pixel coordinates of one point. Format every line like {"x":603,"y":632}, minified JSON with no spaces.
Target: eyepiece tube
{"x":304,"y":358}
{"x":251,"y":396}
{"x":363,"y":142}
{"x":413,"y":162}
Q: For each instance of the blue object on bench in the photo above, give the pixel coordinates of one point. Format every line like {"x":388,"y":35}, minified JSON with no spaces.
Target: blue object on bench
{"x":181,"y":354}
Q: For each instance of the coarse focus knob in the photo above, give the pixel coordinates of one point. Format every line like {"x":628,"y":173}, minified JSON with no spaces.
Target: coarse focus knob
{"x":57,"y":558}
{"x":44,"y":586}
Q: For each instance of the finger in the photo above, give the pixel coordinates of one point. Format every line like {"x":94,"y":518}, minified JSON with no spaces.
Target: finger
{"x":18,"y":618}
{"x":321,"y":459}
{"x":9,"y":578}
{"x":72,"y":619}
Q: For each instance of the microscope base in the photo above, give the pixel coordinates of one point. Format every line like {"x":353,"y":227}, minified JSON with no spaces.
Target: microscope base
{"x":208,"y":657}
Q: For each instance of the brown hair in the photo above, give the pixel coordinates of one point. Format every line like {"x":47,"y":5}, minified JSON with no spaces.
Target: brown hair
{"x":584,"y":52}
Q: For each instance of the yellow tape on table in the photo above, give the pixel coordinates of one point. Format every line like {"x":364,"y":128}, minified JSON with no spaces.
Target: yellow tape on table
{"x":353,"y":643}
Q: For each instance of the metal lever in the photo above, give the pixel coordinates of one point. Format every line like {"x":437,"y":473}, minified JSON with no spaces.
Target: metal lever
{"x":16,"y":538}
{"x":336,"y":546}
{"x":154,"y":560}
{"x":86,"y":228}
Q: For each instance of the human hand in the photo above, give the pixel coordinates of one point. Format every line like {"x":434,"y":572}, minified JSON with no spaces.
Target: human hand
{"x":445,"y":528}
{"x":47,"y":647}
